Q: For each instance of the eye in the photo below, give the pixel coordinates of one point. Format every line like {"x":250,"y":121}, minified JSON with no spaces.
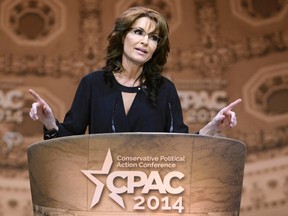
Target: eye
{"x":138,"y":31}
{"x":155,"y":38}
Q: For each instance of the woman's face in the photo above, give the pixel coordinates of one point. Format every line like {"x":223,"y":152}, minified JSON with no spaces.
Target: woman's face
{"x":140,"y":42}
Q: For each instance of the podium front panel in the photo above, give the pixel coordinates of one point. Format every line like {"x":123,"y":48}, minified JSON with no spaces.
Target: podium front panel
{"x":137,"y":174}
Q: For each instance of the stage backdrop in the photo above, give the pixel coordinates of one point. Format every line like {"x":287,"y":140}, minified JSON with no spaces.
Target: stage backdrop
{"x":220,"y":51}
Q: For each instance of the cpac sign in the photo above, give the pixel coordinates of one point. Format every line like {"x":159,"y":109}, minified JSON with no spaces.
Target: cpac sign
{"x":11,"y":104}
{"x":200,"y":107}
{"x":137,"y":180}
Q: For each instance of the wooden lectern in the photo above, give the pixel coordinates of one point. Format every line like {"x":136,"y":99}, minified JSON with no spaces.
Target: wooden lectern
{"x":137,"y":174}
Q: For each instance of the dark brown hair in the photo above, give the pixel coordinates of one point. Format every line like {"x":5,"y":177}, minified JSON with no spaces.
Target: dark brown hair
{"x":151,"y":69}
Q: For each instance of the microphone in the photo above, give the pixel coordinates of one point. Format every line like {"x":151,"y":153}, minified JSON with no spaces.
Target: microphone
{"x":171,"y":118}
{"x":143,"y":88}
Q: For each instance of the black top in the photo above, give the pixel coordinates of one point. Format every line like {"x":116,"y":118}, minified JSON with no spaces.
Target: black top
{"x":100,"y":108}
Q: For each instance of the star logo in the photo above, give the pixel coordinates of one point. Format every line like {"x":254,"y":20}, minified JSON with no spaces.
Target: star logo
{"x":99,"y":185}
{"x":152,"y":181}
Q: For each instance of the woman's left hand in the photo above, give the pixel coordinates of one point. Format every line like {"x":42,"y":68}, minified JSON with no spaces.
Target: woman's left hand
{"x":224,"y":118}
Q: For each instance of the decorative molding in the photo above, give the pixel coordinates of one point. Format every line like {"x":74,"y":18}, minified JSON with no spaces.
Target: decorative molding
{"x":220,"y":57}
{"x":264,"y":144}
{"x":213,"y":58}
{"x":170,"y":9}
{"x":47,"y":17}
{"x":91,"y":48}
{"x":218,"y":53}
{"x":252,"y":13}
{"x":74,"y":65}
{"x":15,"y":197}
{"x":261,"y":88}
{"x":265,"y":185}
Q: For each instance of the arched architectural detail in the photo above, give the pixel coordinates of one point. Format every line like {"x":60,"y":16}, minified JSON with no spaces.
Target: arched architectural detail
{"x":171,"y":9}
{"x":255,"y":13}
{"x":268,"y":85}
{"x":46,"y":17}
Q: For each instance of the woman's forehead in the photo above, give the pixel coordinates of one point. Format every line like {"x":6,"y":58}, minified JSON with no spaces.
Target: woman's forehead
{"x":145,"y":23}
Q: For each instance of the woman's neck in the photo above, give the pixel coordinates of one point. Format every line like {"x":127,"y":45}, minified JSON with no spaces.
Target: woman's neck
{"x":128,"y":78}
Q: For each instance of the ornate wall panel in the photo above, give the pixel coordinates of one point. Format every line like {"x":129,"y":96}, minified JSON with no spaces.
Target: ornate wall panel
{"x":265,"y":188}
{"x":259,"y":13}
{"x":170,"y":9}
{"x":46,"y":17}
{"x":220,"y":51}
{"x":266,"y":93}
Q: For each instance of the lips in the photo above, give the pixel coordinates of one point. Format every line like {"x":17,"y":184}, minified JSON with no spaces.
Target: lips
{"x":142,"y":50}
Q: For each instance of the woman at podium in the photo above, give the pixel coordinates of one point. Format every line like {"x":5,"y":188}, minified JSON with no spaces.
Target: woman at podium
{"x":128,"y":94}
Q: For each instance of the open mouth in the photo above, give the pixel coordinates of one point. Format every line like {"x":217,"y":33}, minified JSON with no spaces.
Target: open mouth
{"x":141,"y":50}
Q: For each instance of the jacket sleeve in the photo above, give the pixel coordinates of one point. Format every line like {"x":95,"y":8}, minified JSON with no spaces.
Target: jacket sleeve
{"x":175,"y":114}
{"x":77,"y":118}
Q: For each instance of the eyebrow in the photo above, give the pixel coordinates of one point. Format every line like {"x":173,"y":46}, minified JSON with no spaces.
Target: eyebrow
{"x":154,"y":31}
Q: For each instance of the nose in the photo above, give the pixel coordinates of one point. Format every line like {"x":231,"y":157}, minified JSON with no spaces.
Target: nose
{"x":145,"y":39}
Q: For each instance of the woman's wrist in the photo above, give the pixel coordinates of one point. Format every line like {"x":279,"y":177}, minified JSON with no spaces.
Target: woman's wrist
{"x":51,"y":130}
{"x":208,"y":130}
{"x":51,"y":125}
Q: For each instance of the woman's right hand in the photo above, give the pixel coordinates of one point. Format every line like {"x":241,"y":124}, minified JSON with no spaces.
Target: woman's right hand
{"x":42,"y":112}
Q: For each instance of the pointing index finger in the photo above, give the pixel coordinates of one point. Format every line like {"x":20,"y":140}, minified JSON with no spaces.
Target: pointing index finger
{"x":35,"y":95}
{"x":231,"y":105}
